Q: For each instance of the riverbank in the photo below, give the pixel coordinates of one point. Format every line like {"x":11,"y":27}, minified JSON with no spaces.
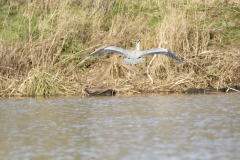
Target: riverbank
{"x":42,"y":45}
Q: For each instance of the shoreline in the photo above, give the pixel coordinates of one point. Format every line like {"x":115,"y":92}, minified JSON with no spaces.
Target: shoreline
{"x":190,"y":91}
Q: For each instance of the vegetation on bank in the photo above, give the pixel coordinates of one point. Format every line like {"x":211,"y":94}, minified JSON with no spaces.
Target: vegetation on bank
{"x":43,"y":42}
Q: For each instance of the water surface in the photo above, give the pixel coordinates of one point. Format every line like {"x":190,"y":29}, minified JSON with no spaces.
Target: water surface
{"x":126,"y":128}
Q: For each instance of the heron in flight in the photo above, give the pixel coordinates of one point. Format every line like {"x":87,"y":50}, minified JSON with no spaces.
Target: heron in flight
{"x":135,"y":56}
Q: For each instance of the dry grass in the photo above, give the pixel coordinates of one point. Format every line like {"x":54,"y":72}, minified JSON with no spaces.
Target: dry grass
{"x":42,"y":45}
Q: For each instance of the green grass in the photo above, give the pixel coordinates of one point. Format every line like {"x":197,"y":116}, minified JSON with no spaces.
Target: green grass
{"x":227,"y":21}
{"x":14,"y":27}
{"x":71,"y":53}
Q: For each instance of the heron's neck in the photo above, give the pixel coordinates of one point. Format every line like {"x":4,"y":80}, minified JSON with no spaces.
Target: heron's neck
{"x":138,"y":45}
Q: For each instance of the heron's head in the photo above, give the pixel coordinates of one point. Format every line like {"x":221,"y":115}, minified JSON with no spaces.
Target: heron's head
{"x":138,"y":44}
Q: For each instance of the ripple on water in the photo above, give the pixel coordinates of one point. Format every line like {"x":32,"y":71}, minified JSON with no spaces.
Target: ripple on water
{"x":138,"y":127}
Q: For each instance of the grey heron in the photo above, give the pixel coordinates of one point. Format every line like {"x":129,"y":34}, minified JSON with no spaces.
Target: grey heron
{"x":135,"y":56}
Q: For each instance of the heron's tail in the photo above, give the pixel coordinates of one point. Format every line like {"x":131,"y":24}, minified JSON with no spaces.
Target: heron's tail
{"x":133,"y":61}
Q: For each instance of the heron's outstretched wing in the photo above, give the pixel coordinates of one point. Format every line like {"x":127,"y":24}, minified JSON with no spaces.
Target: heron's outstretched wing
{"x":162,"y":51}
{"x":111,"y":49}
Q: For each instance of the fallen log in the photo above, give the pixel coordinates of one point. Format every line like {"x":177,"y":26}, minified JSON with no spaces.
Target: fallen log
{"x":100,"y":92}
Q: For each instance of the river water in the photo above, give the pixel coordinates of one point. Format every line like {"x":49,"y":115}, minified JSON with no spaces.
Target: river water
{"x":144,"y":127}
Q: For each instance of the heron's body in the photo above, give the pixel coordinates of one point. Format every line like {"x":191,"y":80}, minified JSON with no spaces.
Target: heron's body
{"x":135,"y":56}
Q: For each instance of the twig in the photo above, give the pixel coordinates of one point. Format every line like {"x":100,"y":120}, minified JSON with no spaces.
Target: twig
{"x":78,"y":64}
{"x":231,"y":89}
{"x":90,"y":8}
{"x":83,"y":59}
{"x":181,"y":80}
{"x":148,"y":68}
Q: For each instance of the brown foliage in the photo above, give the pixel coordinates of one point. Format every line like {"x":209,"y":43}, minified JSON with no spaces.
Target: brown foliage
{"x":48,"y":60}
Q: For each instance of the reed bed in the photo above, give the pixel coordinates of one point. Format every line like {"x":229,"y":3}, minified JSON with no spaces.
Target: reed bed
{"x":42,"y":44}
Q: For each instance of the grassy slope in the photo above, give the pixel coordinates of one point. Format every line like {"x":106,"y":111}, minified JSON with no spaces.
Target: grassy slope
{"x":41,"y":45}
